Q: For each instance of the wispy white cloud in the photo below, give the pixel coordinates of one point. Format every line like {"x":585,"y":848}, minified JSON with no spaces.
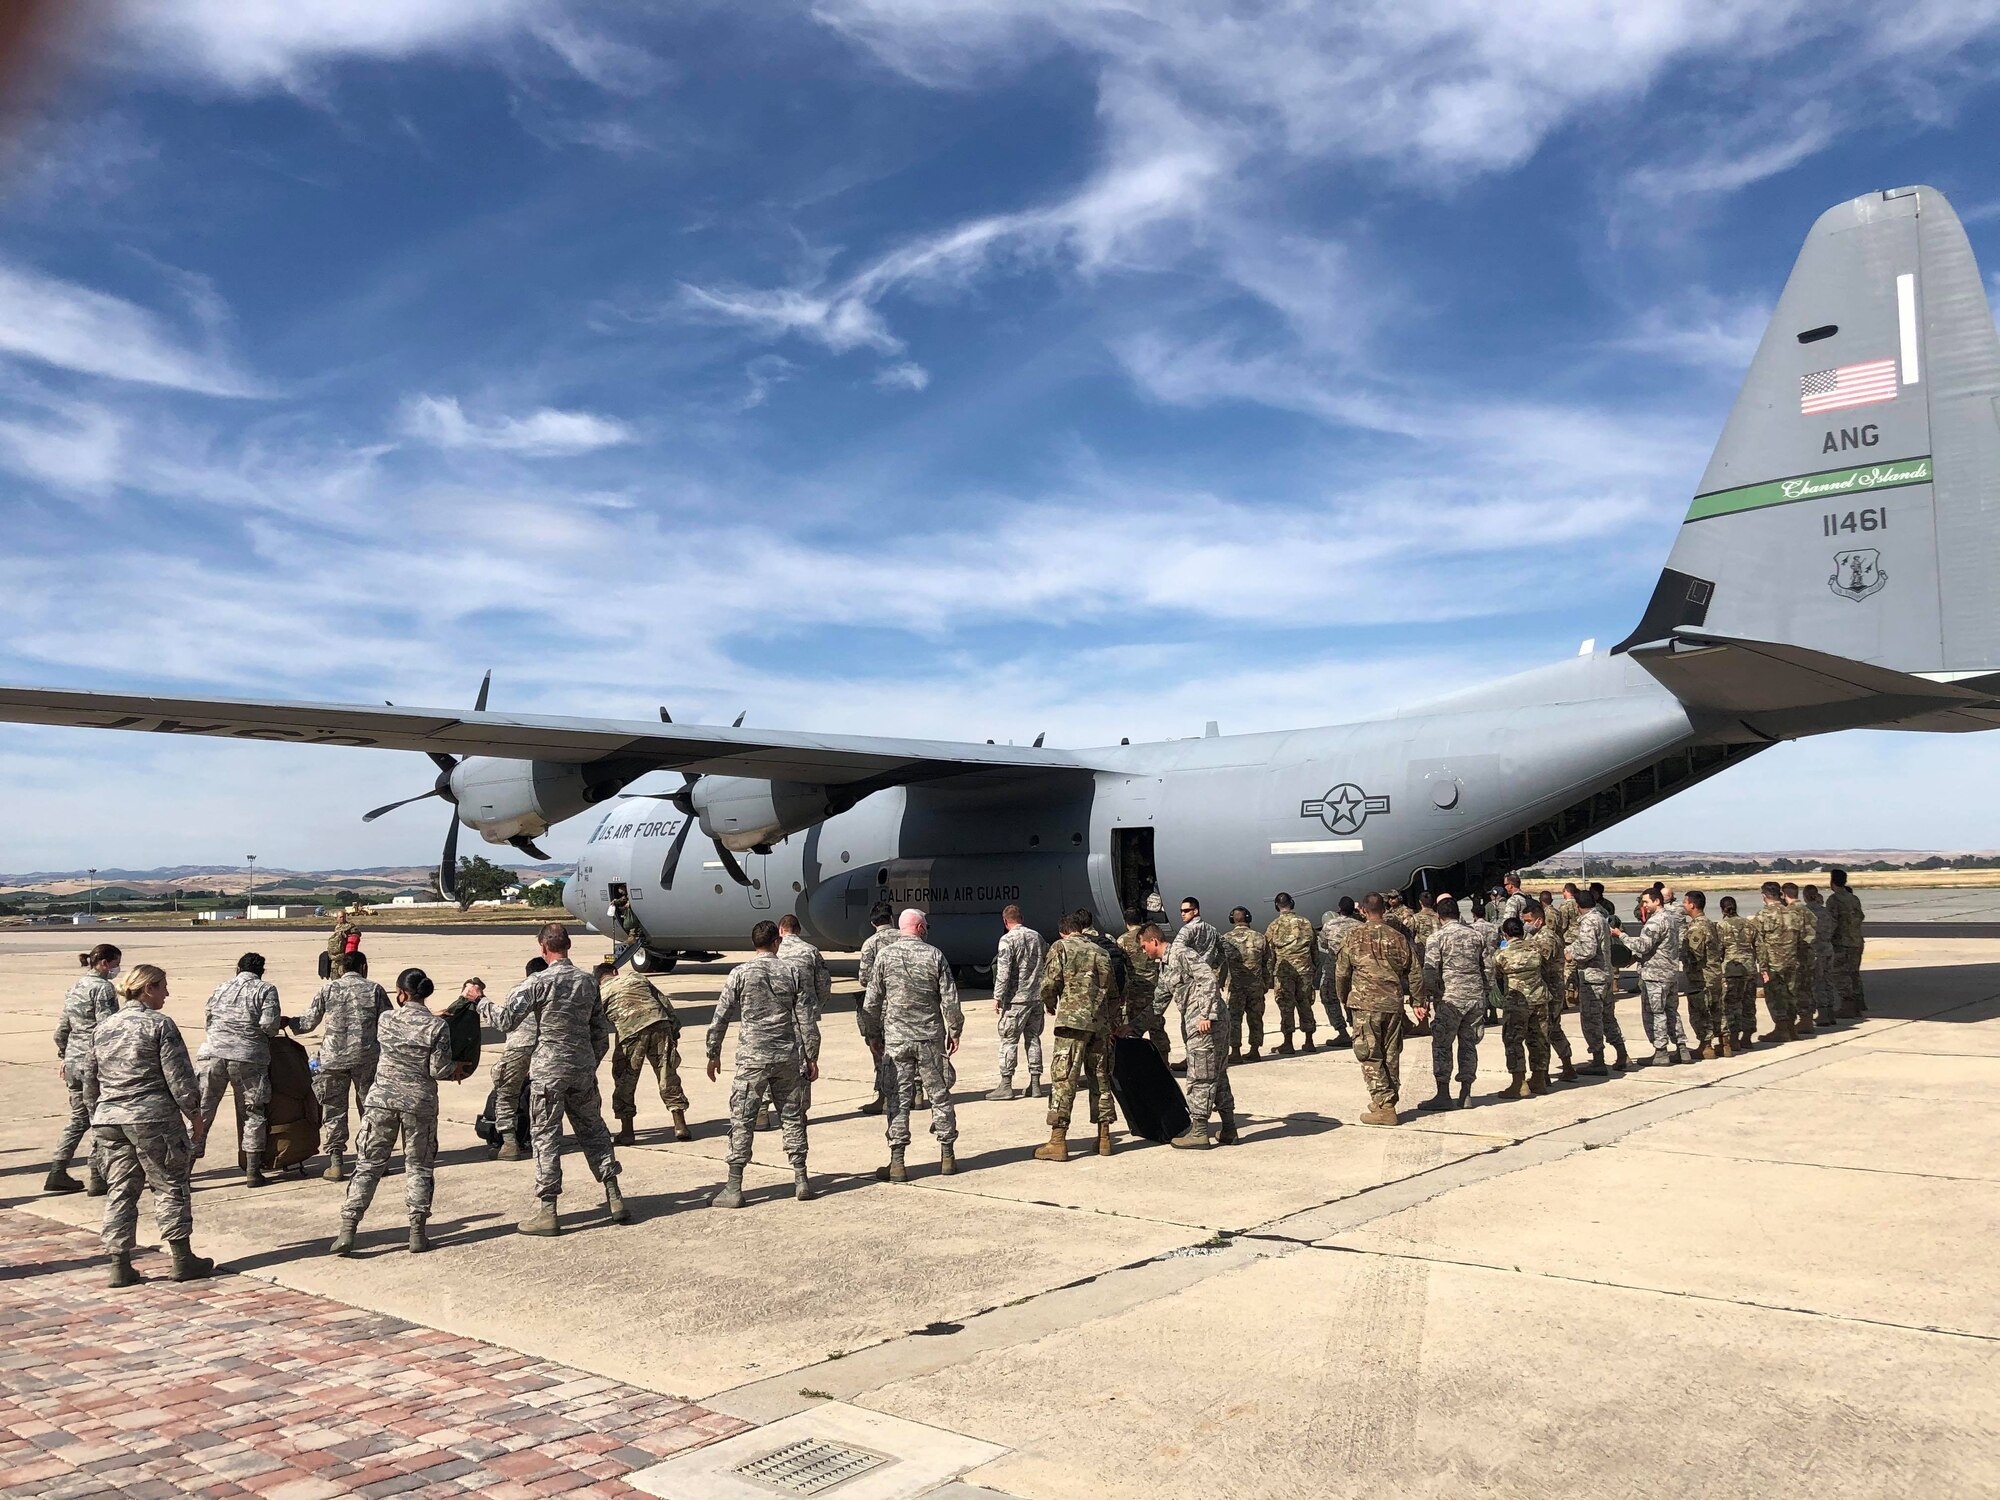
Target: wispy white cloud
{"x":906,"y":376}
{"x":72,"y":327}
{"x":1702,"y":332}
{"x":442,"y":422}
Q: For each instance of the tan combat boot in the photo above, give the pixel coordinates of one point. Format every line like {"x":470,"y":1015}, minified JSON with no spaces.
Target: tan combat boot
{"x":1517,"y":1087}
{"x":1381,"y":1114}
{"x":1056,"y":1150}
{"x":1104,"y":1140}
{"x":625,"y":1136}
{"x":1538,"y":1082}
{"x":681,"y":1131}
{"x":895,"y":1171}
{"x":543,"y":1223}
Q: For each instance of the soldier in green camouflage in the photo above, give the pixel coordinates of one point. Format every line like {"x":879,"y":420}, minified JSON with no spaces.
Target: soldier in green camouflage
{"x":1822,"y":956}
{"x":1844,"y":911}
{"x":1246,"y":976}
{"x":1145,"y":1012}
{"x":1076,"y":991}
{"x":1371,"y":977}
{"x":1333,"y":929}
{"x":1806,"y":982}
{"x":1701,"y":970}
{"x":1294,"y":967}
{"x":1521,"y":969}
{"x":1778,"y":934}
{"x":1538,"y":930}
{"x":1737,"y":937}
{"x":648,"y":1035}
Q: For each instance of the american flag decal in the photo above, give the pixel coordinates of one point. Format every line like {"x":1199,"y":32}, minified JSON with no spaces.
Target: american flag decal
{"x":1849,"y":385}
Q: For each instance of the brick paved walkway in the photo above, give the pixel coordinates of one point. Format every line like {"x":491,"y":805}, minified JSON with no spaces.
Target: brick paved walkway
{"x":236,"y":1387}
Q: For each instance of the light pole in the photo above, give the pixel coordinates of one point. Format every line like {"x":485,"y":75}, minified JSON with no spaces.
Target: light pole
{"x":90,"y":896}
{"x":250,"y":891}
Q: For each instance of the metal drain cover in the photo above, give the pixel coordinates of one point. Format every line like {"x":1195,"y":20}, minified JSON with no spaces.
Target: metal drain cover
{"x":811,"y":1467}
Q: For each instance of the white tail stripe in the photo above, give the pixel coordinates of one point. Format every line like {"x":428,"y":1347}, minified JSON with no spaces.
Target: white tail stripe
{"x":1906,"y":324}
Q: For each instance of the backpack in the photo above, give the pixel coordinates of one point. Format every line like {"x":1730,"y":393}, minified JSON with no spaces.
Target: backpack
{"x":461,"y":1019}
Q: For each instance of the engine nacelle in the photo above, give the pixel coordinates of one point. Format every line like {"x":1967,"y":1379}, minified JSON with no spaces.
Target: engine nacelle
{"x":506,"y":799}
{"x":743,"y":812}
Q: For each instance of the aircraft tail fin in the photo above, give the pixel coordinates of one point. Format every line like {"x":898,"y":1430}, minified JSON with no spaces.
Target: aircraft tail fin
{"x":1851,"y":510}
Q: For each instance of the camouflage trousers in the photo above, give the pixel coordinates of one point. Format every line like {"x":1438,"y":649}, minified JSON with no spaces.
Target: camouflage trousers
{"x":786,"y":1084}
{"x":1525,"y":1033}
{"x":1558,"y":1038}
{"x":251,"y":1083}
{"x":1145,"y":1016}
{"x":1378,"y":1047}
{"x":1077,"y":1054}
{"x":1779,"y":997}
{"x":656,"y":1047}
{"x":1246,"y":1014}
{"x":1739,"y":1001}
{"x":379,"y":1128}
{"x":1021,"y":1022}
{"x":330,"y":1087}
{"x":921,"y":1062}
{"x":1459,"y":1028}
{"x":1329,"y":998}
{"x":1208,"y":1090}
{"x":510,"y":1075}
{"x":75,"y":1128}
{"x":549,"y":1100}
{"x":1708,"y":1010}
{"x":1596,"y":1011}
{"x":1825,"y":999}
{"x":1663,"y":1013}
{"x":1293,"y":992}
{"x":1847,"y":980}
{"x":156,"y":1155}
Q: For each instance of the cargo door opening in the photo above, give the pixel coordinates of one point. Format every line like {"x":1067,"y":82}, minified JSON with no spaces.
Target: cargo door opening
{"x":1132,"y":867}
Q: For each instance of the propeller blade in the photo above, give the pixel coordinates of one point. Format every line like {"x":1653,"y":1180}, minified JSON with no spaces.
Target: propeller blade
{"x":448,"y":865}
{"x":369,"y":817}
{"x":445,"y":763}
{"x":740,"y":718}
{"x":649,"y":796}
{"x":673,"y":859}
{"x":665,"y":717}
{"x":486,"y":682}
{"x":729,"y":863}
{"x":527,"y":846}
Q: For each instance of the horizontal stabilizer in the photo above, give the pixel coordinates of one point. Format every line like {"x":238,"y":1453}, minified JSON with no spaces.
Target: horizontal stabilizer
{"x":1781,"y":691}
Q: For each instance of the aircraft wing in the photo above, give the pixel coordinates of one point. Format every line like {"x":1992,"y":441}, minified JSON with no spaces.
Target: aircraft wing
{"x":710,"y":750}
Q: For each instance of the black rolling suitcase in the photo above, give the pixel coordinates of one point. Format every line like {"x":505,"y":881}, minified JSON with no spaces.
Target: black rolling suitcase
{"x":489,"y":1132}
{"x":1153,"y":1103}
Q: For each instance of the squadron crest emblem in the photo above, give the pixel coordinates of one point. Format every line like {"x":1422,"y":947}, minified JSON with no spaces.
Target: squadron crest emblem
{"x":1857,"y":574}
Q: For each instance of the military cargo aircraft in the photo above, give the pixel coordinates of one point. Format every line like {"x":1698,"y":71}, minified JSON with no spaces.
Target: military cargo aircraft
{"x":1838,"y":568}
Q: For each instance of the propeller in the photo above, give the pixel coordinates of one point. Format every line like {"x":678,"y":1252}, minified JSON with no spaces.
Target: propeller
{"x":447,"y":871}
{"x":684,"y":801}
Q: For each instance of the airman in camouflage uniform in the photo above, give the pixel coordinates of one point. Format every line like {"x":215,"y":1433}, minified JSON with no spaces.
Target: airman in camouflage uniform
{"x":1371,"y":976}
{"x":1419,"y":924}
{"x":1659,"y":953}
{"x":572,"y":1035}
{"x":1590,"y":960}
{"x":1188,"y":981}
{"x":235,"y":1054}
{"x":1536,"y":929}
{"x":1017,"y":1001}
{"x":1458,"y":971}
{"x":1334,"y":927}
{"x":1844,"y":910}
{"x":777,"y":1053}
{"x":89,"y":1001}
{"x":350,"y":1006}
{"x":1779,"y":939}
{"x":1521,"y":968}
{"x":1294,"y":971}
{"x":1246,"y":975}
{"x":1822,"y":956}
{"x":882,"y":916}
{"x":416,"y":1053}
{"x":1701,"y":964}
{"x":1145,"y":1011}
{"x":1805,"y":984}
{"x":648,"y":1036}
{"x":141,"y":1087}
{"x":510,"y":1073}
{"x":1076,"y":990}
{"x":911,"y":1014}
{"x":1738,"y":939}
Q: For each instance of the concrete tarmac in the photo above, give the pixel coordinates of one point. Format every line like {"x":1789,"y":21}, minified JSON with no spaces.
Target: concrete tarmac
{"x":1770,"y":1275}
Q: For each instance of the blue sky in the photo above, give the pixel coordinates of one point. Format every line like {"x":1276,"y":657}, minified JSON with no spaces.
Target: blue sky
{"x":971,"y":369}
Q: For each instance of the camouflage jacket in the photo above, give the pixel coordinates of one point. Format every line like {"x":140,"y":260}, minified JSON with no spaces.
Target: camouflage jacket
{"x":1333,"y":929}
{"x":336,"y":941}
{"x":1293,"y":943}
{"x":350,"y":1005}
{"x":416,"y":1053}
{"x":1114,"y":955}
{"x":90,"y":1000}
{"x":1185,"y":978}
{"x":1373,"y":970}
{"x":778,"y":1025}
{"x":1141,"y":972}
{"x":1589,"y":947}
{"x":137,"y":1071}
{"x":1017,"y":967}
{"x":870,"y":946}
{"x":1246,"y":964}
{"x":1555,"y":965}
{"x":1737,"y":937}
{"x":572,"y":1031}
{"x":1512,"y":905}
{"x":1522,"y":970}
{"x":815,"y":979}
{"x":1457,"y":965}
{"x":912,"y":999}
{"x":1076,"y":985}
{"x":632,"y":1003}
{"x":1843,"y":907}
{"x":522,"y":1037}
{"x":1203,"y":938}
{"x":242,"y":1019}
{"x":1659,"y":948}
{"x":1821,"y":929}
{"x":1701,"y":953}
{"x":1779,"y":939}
